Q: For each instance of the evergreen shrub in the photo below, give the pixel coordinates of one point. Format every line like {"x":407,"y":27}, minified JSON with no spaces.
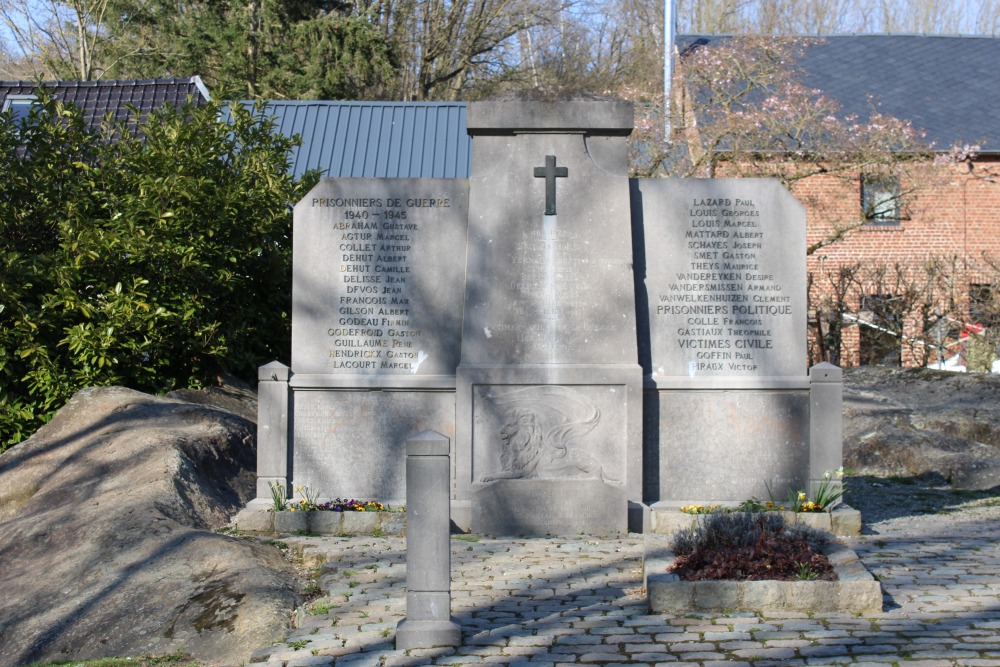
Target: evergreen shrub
{"x":152,"y":253}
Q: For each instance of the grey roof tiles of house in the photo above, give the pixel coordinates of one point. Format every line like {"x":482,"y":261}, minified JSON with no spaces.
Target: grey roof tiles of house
{"x":376,"y":139}
{"x":98,"y":98}
{"x":947,"y":86}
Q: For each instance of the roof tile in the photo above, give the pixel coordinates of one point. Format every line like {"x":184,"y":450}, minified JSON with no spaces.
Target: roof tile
{"x":99,"y":98}
{"x":947,"y":86}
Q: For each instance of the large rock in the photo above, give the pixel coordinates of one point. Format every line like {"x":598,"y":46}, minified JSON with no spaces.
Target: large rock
{"x":919,"y":422}
{"x":107,"y":547}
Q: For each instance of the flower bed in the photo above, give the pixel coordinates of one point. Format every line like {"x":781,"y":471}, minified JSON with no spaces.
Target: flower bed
{"x":756,"y":562}
{"x":854,"y":591}
{"x":751,"y":545}
{"x":308,"y":515}
{"x":268,"y":522}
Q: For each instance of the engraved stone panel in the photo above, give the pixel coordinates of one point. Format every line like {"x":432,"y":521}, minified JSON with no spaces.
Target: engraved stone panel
{"x":725,"y":278}
{"x":352,"y":444}
{"x":550,"y":254}
{"x":720,"y":446}
{"x":549,"y":432}
{"x":378,"y":277}
{"x":549,"y":507}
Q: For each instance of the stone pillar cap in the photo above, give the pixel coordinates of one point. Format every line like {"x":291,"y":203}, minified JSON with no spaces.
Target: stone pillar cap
{"x":826,"y":372}
{"x":605,"y":117}
{"x":428,"y":443}
{"x":273,"y":372}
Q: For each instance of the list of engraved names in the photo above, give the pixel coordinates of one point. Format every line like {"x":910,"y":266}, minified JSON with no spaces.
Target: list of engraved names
{"x":371,"y":326}
{"x":548,"y":290}
{"x":721,"y":303}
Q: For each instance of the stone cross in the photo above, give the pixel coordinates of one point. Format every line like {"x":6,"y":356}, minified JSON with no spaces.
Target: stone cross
{"x":550,"y":172}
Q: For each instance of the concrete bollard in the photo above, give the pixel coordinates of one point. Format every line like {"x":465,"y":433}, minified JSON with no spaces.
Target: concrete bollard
{"x":272,"y":432}
{"x":826,"y":426}
{"x":428,"y":621}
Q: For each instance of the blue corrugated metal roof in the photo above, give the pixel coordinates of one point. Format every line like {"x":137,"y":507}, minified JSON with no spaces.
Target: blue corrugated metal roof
{"x":376,"y":139}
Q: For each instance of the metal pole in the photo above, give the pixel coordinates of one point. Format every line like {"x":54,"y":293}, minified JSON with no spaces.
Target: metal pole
{"x":669,"y":36}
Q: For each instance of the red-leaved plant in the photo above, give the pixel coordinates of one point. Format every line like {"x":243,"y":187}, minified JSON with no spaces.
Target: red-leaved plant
{"x":750,"y":546}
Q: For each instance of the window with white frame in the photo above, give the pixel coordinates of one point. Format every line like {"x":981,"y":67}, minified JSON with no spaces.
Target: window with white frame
{"x":19,"y":105}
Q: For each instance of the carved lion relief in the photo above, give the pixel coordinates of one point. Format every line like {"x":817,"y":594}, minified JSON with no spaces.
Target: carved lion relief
{"x":543,"y":432}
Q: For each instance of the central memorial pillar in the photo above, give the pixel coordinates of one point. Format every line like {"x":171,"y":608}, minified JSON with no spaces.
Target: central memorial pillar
{"x":549,"y":389}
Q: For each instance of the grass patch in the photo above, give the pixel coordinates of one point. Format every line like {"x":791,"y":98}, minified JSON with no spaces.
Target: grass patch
{"x":466,"y":538}
{"x":320,"y":607}
{"x":176,"y":659}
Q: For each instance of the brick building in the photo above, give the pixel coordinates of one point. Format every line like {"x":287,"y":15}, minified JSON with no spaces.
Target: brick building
{"x":915,"y":278}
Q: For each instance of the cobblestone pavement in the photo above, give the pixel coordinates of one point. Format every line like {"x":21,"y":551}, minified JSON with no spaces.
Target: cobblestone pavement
{"x":578,"y":600}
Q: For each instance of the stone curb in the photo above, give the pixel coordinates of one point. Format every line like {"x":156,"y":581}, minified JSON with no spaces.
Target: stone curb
{"x":855,"y":591}
{"x":842,"y":521}
{"x":257,"y":522}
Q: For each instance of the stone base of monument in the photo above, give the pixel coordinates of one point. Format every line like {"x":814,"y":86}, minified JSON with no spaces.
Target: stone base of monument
{"x":640,"y":518}
{"x":842,"y":521}
{"x":549,"y":507}
{"x":256,"y":521}
{"x":855,"y":591}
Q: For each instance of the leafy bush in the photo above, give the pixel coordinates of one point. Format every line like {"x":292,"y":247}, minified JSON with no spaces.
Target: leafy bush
{"x":750,"y":545}
{"x":150,"y":254}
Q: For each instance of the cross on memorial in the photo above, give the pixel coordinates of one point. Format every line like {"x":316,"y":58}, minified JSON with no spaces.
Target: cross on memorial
{"x":550,"y":172}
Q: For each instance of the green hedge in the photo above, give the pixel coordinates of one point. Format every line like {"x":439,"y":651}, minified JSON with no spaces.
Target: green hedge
{"x":153,"y":258}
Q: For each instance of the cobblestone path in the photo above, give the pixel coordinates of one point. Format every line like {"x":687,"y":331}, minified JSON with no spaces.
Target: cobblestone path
{"x":579,"y":600}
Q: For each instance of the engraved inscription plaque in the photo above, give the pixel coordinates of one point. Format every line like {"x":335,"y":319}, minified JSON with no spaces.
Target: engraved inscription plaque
{"x":727,"y":446}
{"x":378,"y":277}
{"x":725,"y":278}
{"x":351,"y":444}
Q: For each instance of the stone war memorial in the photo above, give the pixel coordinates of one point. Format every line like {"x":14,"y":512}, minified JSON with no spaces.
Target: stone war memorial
{"x":598,"y":350}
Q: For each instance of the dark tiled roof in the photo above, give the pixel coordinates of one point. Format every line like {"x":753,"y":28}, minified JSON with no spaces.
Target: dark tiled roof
{"x":376,"y":139}
{"x":949,"y":87}
{"x":98,"y":98}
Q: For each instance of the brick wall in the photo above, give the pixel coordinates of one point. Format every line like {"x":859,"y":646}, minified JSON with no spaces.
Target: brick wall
{"x":950,"y":222}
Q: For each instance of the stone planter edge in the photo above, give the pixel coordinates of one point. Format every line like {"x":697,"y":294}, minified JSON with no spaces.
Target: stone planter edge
{"x":842,"y":521}
{"x":264,"y":522}
{"x":855,"y":591}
